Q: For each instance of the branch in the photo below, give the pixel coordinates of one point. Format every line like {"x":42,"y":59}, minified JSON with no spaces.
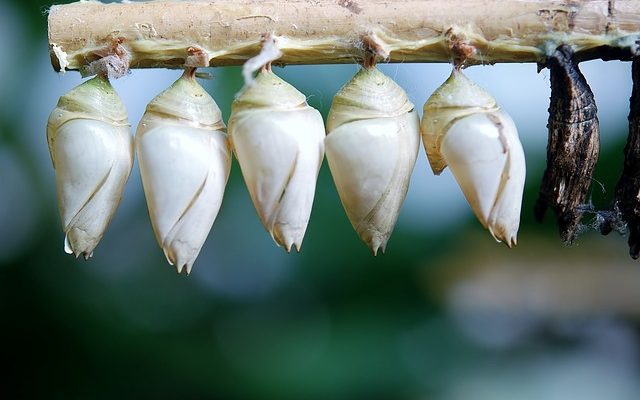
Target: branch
{"x":163,"y":34}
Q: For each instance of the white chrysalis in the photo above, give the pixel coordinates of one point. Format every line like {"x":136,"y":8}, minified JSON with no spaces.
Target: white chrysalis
{"x":92,"y":152}
{"x":464,"y":128}
{"x":184,"y":161}
{"x":278,"y":141}
{"x":372,"y":144}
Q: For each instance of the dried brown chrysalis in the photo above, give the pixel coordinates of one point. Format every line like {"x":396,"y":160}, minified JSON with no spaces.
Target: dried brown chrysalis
{"x":626,"y":204}
{"x":574,"y":142}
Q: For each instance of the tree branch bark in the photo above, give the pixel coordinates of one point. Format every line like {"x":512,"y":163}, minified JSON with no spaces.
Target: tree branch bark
{"x":166,"y":34}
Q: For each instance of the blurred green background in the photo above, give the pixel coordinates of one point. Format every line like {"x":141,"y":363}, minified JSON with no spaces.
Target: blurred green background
{"x":446,"y":314}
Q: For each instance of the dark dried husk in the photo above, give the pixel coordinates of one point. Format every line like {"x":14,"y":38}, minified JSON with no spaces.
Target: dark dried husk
{"x":626,"y":204}
{"x":573,"y":147}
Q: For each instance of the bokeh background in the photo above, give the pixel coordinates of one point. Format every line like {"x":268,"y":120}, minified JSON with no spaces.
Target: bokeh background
{"x":446,"y":314}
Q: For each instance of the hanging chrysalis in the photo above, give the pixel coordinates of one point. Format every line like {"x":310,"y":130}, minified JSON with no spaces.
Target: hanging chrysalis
{"x":92,"y":152}
{"x":464,"y":128}
{"x":626,"y":203}
{"x":574,"y":141}
{"x":278,"y":141}
{"x":373,"y":137}
{"x":185,"y":161}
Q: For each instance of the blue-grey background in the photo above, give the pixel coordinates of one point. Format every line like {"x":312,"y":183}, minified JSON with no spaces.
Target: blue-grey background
{"x":446,"y":314}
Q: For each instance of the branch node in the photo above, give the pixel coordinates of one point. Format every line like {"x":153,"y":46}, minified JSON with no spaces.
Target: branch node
{"x":113,"y":62}
{"x":197,"y":57}
{"x":374,"y":50}
{"x":459,"y":47}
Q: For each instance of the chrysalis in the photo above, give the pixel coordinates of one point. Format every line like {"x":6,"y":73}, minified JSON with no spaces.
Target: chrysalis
{"x":626,"y":201}
{"x":464,"y":128}
{"x":372,"y":144}
{"x":92,"y":152}
{"x":278,"y":140}
{"x":185,"y":161}
{"x":574,"y":142}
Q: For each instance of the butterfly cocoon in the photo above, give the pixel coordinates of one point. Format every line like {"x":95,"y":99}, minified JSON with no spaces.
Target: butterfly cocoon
{"x":278,"y":141}
{"x":372,"y":143}
{"x":91,"y":148}
{"x":464,"y":128}
{"x":185,"y":160}
{"x":573,"y":145}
